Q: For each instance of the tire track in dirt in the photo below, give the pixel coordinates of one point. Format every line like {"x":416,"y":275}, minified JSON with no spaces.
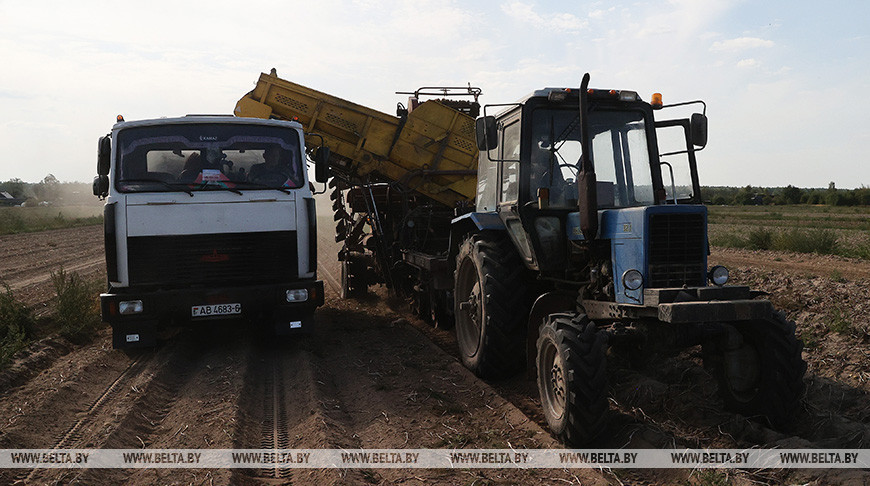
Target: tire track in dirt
{"x":185,"y":384}
{"x":278,"y":409}
{"x":73,"y":435}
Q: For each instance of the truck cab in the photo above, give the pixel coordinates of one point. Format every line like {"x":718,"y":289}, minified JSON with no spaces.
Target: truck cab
{"x":206,"y":217}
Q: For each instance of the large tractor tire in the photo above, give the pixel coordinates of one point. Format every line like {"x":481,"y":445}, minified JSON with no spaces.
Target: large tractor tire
{"x":761,"y":375}
{"x":491,"y":306}
{"x":354,"y":281}
{"x":572,"y":377}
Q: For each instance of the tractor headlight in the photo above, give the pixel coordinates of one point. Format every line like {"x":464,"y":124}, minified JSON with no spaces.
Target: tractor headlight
{"x":718,"y":275}
{"x":632,"y":279}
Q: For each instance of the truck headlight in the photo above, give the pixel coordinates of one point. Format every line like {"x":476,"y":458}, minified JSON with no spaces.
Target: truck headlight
{"x":127,"y":307}
{"x":632,"y":279}
{"x":718,"y":275}
{"x":297,"y":295}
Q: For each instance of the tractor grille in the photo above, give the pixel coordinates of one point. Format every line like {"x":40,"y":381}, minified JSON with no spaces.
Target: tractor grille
{"x":676,"y":250}
{"x":231,"y":258}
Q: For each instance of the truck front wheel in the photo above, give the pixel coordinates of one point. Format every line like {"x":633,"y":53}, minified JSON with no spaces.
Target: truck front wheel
{"x":490,"y":306}
{"x":572,"y":377}
{"x":760,"y":370}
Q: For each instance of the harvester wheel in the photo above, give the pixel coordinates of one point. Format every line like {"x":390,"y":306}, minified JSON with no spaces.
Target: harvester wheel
{"x":763,"y":376}
{"x":572,"y":377}
{"x":353,"y":278}
{"x":490,"y":306}
{"x":440,"y":309}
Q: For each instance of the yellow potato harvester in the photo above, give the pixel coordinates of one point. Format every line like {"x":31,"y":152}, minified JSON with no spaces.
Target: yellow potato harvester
{"x":429,"y":148}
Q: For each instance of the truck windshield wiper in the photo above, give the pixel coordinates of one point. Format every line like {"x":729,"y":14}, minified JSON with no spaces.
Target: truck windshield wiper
{"x":257,"y":185}
{"x":174,"y":186}
{"x":209,"y":187}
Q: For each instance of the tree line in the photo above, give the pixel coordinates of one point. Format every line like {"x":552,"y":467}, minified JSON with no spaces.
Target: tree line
{"x":758,"y":196}
{"x":50,"y":191}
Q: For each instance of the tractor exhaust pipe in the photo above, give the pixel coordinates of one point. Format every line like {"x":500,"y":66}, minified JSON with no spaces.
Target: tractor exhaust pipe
{"x":587,"y":185}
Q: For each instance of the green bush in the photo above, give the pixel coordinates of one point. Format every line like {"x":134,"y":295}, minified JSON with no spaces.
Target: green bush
{"x":16,"y":326}
{"x":760,"y":239}
{"x":78,"y":311}
{"x":808,"y":241}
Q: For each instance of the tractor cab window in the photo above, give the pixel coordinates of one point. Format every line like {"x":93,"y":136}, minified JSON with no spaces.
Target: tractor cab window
{"x":620,"y":155}
{"x":510,"y":147}
{"x":675,"y":168}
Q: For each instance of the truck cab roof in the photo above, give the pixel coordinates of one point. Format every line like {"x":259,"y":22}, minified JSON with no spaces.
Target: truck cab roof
{"x":197,"y":119}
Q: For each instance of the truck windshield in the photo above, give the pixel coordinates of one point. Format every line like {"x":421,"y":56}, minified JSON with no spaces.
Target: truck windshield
{"x":620,"y":155}
{"x":203,"y":157}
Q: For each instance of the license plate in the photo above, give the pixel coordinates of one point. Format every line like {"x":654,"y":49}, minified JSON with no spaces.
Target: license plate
{"x":215,"y":310}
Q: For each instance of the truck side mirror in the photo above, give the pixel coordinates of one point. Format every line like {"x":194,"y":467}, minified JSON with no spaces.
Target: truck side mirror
{"x":101,"y":186}
{"x":486,"y":132}
{"x":104,"y":152}
{"x":699,"y":130}
{"x":321,"y":164}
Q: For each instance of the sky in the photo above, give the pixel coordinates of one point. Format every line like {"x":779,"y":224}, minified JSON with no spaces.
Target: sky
{"x":785,"y":82}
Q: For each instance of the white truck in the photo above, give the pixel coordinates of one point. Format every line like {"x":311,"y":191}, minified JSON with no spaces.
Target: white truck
{"x":207,"y":217}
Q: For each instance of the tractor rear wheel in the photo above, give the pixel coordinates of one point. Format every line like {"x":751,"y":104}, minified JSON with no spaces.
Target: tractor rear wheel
{"x":572,"y":377}
{"x":760,"y":372}
{"x":490,"y":306}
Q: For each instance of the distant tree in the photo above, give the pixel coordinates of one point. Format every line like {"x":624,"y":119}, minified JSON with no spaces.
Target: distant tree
{"x":15,"y":187}
{"x":745,"y":196}
{"x":47,"y":189}
{"x":719,"y":200}
{"x":792,"y":194}
{"x":815,"y":197}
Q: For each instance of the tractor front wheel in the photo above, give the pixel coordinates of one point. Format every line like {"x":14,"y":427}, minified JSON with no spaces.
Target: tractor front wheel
{"x":572,"y":377}
{"x":760,"y":370}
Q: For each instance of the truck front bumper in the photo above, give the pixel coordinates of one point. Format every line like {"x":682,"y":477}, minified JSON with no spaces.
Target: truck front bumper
{"x":176,"y":306}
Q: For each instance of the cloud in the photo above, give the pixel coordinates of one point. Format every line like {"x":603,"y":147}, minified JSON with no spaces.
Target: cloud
{"x":741,"y":44}
{"x":600,"y":13}
{"x":748,"y":63}
{"x":559,"y":22}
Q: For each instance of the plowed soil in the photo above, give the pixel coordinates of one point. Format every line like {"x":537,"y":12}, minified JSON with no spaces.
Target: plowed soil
{"x":373,"y":376}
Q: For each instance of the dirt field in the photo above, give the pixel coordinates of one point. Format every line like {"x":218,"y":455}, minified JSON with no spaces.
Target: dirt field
{"x":372,"y":376}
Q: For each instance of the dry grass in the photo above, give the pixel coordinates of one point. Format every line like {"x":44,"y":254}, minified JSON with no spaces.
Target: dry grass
{"x":27,"y":220}
{"x":16,"y":326}
{"x":801,"y":229}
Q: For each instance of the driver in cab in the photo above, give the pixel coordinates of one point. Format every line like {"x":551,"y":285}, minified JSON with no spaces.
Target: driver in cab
{"x":275,"y":171}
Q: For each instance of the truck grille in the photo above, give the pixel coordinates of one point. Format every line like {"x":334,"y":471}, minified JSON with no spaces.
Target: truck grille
{"x":676,"y":250}
{"x":230,"y":258}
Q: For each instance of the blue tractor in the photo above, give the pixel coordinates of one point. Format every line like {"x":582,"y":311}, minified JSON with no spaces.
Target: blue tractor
{"x":586,"y":237}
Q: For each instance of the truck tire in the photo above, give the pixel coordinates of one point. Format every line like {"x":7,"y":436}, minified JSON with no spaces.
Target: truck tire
{"x":490,"y":306}
{"x":763,"y":377}
{"x":572,"y":377}
{"x":353,"y":278}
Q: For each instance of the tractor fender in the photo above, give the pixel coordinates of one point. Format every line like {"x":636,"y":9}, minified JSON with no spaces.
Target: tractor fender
{"x":550,"y":303}
{"x":468,"y":224}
